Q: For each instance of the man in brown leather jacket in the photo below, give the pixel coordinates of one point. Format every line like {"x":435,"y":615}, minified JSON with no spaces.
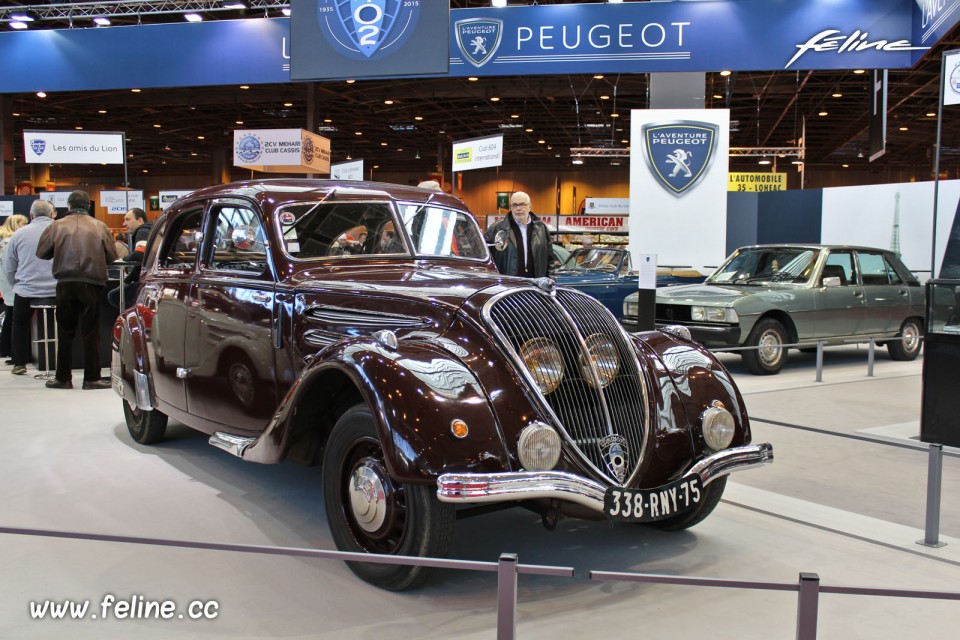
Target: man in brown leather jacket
{"x":81,"y":247}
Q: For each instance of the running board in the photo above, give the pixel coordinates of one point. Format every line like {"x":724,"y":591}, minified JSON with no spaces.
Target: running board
{"x":234,"y":445}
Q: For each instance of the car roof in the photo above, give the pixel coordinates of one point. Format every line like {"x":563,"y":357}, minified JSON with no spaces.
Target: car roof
{"x":310,"y":189}
{"x":797,"y":245}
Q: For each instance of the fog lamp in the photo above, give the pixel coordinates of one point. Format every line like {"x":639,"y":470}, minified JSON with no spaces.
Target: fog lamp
{"x":538,"y":447}
{"x":718,"y":426}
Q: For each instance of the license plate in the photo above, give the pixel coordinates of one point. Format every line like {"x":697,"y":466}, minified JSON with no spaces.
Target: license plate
{"x":647,"y":505}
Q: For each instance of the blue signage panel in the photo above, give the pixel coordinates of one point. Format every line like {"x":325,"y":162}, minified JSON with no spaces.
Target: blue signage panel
{"x":932,"y":19}
{"x":161,"y":55}
{"x":633,"y":37}
{"x":683,"y":36}
{"x":363,"y":38}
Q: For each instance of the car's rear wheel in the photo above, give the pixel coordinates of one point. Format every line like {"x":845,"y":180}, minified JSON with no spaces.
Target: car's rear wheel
{"x":908,"y":347}
{"x":711,"y":498}
{"x":768,"y":358}
{"x":145,"y":426}
{"x":368,"y":511}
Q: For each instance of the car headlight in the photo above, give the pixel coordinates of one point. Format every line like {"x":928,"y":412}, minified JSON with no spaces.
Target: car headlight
{"x":544,"y":362}
{"x":713,"y":314}
{"x":631,"y":309}
{"x":539,"y":447}
{"x":718,"y":426}
{"x":602,"y":353}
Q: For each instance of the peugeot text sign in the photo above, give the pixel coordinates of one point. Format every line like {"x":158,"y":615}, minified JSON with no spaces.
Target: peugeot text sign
{"x":67,"y":147}
{"x":679,"y":153}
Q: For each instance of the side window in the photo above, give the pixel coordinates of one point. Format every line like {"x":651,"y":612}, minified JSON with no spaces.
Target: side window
{"x":875,"y":270}
{"x":339,"y":229}
{"x":840,"y":265}
{"x":238,"y":242}
{"x":182,"y":242}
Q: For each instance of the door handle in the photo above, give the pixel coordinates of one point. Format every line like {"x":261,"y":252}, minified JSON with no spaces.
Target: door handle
{"x":858,"y":294}
{"x":261,"y":297}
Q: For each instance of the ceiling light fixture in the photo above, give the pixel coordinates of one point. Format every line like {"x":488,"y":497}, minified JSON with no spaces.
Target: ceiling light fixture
{"x":16,"y":24}
{"x":100,"y":21}
{"x":725,"y":73}
{"x":577,"y":160}
{"x":23,"y":16}
{"x":285,"y":11}
{"x":193,"y":17}
{"x":235,"y":4}
{"x":41,"y":94}
{"x":498,"y":3}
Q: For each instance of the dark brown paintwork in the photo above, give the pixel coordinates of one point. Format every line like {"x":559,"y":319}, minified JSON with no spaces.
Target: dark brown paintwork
{"x":184,"y":318}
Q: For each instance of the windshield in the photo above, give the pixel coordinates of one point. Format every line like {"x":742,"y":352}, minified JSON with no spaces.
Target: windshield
{"x":594,"y":259}
{"x":436,"y":231}
{"x":767,"y":264}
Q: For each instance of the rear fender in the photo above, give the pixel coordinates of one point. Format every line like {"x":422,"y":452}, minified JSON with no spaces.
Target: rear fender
{"x":130,"y":344}
{"x":414,"y":393}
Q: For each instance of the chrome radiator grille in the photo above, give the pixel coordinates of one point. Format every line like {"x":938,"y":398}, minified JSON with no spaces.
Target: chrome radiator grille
{"x":606,"y":426}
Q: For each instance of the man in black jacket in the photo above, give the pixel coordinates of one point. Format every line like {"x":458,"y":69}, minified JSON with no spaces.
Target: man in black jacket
{"x":81,"y":247}
{"x":138,"y":231}
{"x":528,"y":248}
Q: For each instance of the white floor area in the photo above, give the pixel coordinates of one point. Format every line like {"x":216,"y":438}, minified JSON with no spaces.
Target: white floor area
{"x":847,"y":510}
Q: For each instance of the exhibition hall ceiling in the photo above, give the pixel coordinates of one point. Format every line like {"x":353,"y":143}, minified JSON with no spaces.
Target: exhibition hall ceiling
{"x":409,"y":124}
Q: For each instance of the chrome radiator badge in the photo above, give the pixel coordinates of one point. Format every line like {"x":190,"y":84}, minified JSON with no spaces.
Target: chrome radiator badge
{"x":615,"y":455}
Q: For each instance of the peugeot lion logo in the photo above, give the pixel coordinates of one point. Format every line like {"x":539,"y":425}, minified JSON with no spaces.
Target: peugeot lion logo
{"x":478,"y":39}
{"x":679,"y":153}
{"x":615,"y":454}
{"x":367,"y":29}
{"x":38,"y":146}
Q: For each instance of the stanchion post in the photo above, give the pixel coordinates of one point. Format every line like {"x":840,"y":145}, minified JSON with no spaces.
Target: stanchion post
{"x":819,"y":360}
{"x":871,"y":351}
{"x":807,"y":606}
{"x":507,"y":596}
{"x":931,"y":531}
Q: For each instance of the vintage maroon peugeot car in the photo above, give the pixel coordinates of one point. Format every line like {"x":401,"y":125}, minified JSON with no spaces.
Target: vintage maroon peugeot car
{"x":364,"y":327}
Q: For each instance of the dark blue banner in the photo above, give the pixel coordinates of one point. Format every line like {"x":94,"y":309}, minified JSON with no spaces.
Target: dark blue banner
{"x":932,"y":20}
{"x":363,"y":38}
{"x":634,"y":37}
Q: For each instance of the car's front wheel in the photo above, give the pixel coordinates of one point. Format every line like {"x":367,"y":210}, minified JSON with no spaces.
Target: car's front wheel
{"x":145,"y":426}
{"x":768,"y":336}
{"x":368,"y":511}
{"x":908,"y":347}
{"x":711,"y":498}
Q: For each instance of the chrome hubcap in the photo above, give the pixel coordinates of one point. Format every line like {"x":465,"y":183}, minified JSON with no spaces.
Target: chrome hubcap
{"x":367,"y":498}
{"x":911,"y":337}
{"x":769,"y":347}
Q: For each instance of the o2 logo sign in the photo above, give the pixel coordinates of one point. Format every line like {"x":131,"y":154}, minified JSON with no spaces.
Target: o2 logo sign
{"x":367,"y":29}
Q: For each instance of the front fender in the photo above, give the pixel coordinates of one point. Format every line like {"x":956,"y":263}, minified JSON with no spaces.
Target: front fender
{"x":414,"y":393}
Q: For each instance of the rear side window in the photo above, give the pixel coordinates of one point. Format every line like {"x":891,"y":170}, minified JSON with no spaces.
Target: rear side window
{"x":876,"y":270}
{"x":182,"y":241}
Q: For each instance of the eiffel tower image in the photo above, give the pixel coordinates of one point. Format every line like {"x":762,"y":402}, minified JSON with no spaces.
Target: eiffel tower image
{"x":895,"y":238}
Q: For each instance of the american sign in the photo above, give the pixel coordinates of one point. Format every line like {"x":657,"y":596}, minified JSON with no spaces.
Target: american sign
{"x":578,"y":224}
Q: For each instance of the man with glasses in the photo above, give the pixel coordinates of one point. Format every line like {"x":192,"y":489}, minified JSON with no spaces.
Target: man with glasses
{"x":527,"y":253}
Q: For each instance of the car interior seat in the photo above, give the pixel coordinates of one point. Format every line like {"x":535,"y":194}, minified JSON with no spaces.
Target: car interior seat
{"x":834,"y":271}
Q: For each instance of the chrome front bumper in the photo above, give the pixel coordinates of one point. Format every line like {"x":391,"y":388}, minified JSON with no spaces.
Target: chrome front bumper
{"x":560,"y":485}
